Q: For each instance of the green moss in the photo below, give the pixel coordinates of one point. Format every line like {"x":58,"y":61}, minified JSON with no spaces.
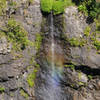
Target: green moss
{"x":75,"y":42}
{"x":79,"y":75}
{"x":90,"y":77}
{"x":2,"y":6}
{"x":24,"y":94}
{"x":32,"y":60}
{"x":80,"y":83}
{"x":97,"y":44}
{"x":97,"y":21}
{"x":2,"y":89}
{"x":12,"y":94}
{"x":87,"y":31}
{"x":31,"y":77}
{"x":37,"y":65}
{"x":17,"y":35}
{"x":38,"y":41}
{"x":70,"y":66}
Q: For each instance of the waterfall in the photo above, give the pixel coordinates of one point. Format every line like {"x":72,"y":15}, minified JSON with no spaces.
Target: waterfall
{"x":52,"y":42}
{"x":48,"y":86}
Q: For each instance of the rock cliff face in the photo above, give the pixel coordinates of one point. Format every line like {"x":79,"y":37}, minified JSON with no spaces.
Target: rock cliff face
{"x":74,"y":50}
{"x":16,"y":66}
{"x":84,"y":78}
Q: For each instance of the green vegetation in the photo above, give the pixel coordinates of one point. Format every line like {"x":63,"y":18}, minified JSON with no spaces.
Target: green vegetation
{"x":24,"y":94}
{"x":97,"y":21}
{"x":69,"y":3}
{"x":17,"y":35}
{"x":76,"y":42}
{"x":46,"y":5}
{"x":2,"y":89}
{"x":2,"y":6}
{"x":90,"y":77}
{"x":70,"y":66}
{"x":38,"y":41}
{"x":97,"y":44}
{"x":31,"y":77}
{"x":87,"y":31}
{"x":80,"y":83}
{"x":79,"y":75}
{"x":89,"y":7}
{"x":12,"y":3}
{"x":94,"y":36}
{"x":32,"y":60}
{"x":57,"y":6}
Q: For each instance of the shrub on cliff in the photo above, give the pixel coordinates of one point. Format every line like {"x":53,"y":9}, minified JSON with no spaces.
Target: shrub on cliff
{"x":17,"y":35}
{"x":90,"y":7}
{"x":57,"y":6}
{"x":46,"y":5}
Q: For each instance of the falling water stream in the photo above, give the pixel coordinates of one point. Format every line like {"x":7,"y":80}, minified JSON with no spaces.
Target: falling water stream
{"x":52,"y":42}
{"x":48,"y":86}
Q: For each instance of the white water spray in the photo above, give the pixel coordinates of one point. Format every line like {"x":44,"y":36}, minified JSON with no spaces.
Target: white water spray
{"x":52,"y":42}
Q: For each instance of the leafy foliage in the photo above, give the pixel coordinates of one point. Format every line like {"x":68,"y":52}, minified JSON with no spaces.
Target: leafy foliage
{"x":46,"y":5}
{"x":57,"y":6}
{"x":90,"y":7}
{"x":76,"y":42}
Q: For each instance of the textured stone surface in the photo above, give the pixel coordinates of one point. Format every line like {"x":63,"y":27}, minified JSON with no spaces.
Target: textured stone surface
{"x":5,"y":47}
{"x":75,"y":24}
{"x":14,"y":66}
{"x":85,"y":58}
